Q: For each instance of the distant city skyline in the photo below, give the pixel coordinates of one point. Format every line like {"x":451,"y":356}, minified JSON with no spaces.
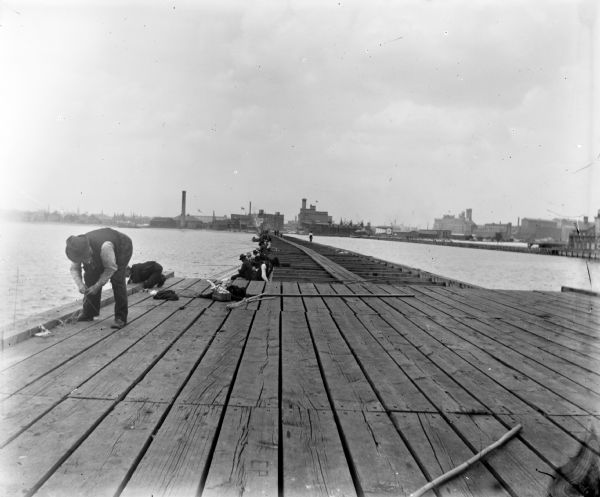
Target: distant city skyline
{"x":292,"y":217}
{"x":378,"y":110}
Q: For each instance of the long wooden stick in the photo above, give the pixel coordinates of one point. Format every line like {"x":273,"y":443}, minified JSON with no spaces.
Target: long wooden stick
{"x":459,"y":469}
{"x":340,"y":295}
{"x":265,"y":296}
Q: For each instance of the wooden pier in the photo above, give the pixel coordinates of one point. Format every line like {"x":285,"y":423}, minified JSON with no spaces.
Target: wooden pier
{"x":349,"y":377}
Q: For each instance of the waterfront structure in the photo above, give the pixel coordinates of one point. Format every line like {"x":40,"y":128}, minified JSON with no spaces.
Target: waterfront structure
{"x":163,"y":222}
{"x":243,"y":222}
{"x":416,"y":235}
{"x":539,"y":229}
{"x":383,"y":230}
{"x":585,"y":242}
{"x":198,"y":222}
{"x":493,"y":231}
{"x":271,"y":222}
{"x":461,"y":225}
{"x":308,"y":217}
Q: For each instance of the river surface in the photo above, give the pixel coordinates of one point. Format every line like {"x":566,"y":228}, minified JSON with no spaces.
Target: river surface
{"x":486,"y":268}
{"x":35,"y":271}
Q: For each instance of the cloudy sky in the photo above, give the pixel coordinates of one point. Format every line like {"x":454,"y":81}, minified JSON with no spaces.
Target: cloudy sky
{"x":378,"y":111}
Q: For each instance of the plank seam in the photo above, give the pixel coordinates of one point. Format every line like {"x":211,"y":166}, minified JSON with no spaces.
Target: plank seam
{"x":211,"y":452}
{"x":345,"y":446}
{"x":162,"y":419}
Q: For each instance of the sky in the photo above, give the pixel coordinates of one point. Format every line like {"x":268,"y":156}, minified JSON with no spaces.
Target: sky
{"x":379,"y":111}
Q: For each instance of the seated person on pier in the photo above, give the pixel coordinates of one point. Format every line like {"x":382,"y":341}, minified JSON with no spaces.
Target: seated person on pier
{"x":262,"y":269}
{"x":149,"y":272}
{"x":246,"y":271}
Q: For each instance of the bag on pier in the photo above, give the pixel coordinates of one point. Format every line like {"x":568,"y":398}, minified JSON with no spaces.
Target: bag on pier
{"x":166,"y":295}
{"x":221,"y":294}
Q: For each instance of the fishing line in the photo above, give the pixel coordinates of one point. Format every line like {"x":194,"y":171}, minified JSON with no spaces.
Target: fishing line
{"x":16,"y":293}
{"x":589,"y":275}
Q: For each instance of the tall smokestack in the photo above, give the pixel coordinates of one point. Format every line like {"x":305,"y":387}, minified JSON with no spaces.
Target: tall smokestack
{"x":304,"y":203}
{"x":182,"y":221}
{"x":250,"y":208}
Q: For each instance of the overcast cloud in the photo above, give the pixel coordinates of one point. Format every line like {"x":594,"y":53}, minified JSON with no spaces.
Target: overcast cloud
{"x":381,"y":111}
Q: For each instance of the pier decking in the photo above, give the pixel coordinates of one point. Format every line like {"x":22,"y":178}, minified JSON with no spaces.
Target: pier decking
{"x":349,"y":377}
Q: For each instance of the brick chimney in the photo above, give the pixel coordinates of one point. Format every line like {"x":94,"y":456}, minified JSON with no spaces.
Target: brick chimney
{"x":182,"y":220}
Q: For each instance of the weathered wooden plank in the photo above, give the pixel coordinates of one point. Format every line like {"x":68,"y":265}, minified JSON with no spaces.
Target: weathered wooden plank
{"x":257,"y":381}
{"x":21,"y":410}
{"x":439,"y":450}
{"x":516,"y":307}
{"x":521,"y":469}
{"x":347,"y":385}
{"x":11,"y":356}
{"x":395,"y":390}
{"x":578,"y":426}
{"x":211,"y":380}
{"x":532,"y":324}
{"x":312,"y":304}
{"x":24,"y":465}
{"x":31,"y":366}
{"x":383,"y":463}
{"x":335,"y":305}
{"x":166,"y":378}
{"x":129,"y":367}
{"x":508,"y":376}
{"x":292,"y":304}
{"x":553,"y":310}
{"x":245,"y":461}
{"x":438,"y":386}
{"x":314,"y":463}
{"x":254,"y":288}
{"x":492,"y":395}
{"x":301,"y":381}
{"x":24,"y":329}
{"x":34,"y":368}
{"x":99,"y":465}
{"x":178,"y":456}
{"x":546,"y":438}
{"x":542,"y":379}
{"x":534,"y":308}
{"x":81,"y":367}
{"x":271,"y":303}
{"x":580,"y":367}
{"x":408,"y":307}
{"x":357,"y":305}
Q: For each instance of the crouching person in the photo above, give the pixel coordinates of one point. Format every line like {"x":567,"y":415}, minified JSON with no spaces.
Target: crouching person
{"x":149,"y":273}
{"x":103,"y":254}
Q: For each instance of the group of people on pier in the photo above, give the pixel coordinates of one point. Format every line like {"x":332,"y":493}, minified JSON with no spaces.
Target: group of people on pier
{"x":258,"y":264}
{"x":103,"y":255}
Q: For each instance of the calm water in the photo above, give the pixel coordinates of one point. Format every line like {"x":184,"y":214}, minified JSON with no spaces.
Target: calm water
{"x":486,"y":268}
{"x":35,"y":270}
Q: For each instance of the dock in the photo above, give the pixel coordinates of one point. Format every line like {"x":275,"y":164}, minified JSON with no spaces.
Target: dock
{"x":348,"y":376}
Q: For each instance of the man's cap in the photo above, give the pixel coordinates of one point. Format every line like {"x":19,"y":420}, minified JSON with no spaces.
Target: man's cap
{"x":78,"y":248}
{"x":242,"y":256}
